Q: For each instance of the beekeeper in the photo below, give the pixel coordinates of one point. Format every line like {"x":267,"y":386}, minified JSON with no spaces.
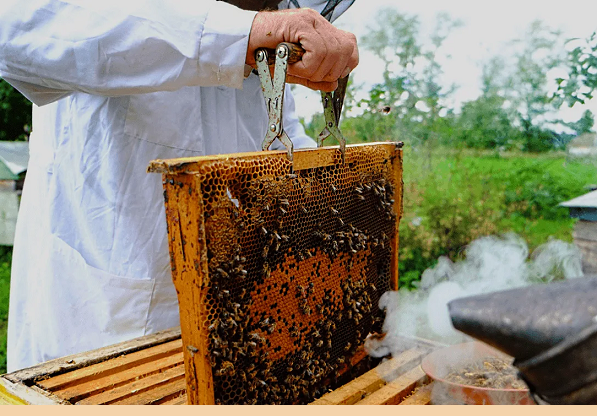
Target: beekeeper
{"x":116,"y":84}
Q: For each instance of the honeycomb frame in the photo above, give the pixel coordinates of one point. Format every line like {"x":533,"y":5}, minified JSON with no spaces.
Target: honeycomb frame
{"x":279,"y":266}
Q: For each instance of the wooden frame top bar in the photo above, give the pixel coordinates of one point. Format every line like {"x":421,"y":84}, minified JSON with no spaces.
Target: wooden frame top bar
{"x":303,"y":158}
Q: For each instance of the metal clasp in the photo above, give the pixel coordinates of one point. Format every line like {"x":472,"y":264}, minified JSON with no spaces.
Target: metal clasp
{"x":332,"y":109}
{"x":273,"y":91}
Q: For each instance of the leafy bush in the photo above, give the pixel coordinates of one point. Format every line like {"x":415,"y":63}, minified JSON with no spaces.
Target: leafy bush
{"x":5,"y":259}
{"x":15,"y":113}
{"x":451,"y":198}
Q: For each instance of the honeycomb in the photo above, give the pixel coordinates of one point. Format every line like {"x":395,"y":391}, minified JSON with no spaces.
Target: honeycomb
{"x":297,"y":261}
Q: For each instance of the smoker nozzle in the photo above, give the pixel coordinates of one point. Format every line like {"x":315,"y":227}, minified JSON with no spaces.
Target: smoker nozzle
{"x":550,"y":330}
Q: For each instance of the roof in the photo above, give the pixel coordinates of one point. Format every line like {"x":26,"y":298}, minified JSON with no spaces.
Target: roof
{"x":584,"y":140}
{"x":14,"y":157}
{"x":584,"y":201}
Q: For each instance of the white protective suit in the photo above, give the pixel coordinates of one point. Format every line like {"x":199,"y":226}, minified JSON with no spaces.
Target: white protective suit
{"x":116,"y":84}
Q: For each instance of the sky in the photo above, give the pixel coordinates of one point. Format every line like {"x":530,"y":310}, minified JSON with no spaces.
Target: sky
{"x":487,"y":28}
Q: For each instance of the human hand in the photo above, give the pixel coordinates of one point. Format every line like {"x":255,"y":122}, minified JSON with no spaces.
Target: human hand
{"x":330,"y":53}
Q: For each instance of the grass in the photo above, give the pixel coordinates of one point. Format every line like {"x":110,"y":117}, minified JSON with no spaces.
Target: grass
{"x":5,"y":259}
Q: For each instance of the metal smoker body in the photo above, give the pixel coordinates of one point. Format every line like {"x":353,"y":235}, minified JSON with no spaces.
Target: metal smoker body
{"x":551,"y":330}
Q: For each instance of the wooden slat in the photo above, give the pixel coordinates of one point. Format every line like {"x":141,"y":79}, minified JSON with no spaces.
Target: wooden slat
{"x":303,"y":158}
{"x":394,"y":392}
{"x":176,"y":401}
{"x":62,"y":365}
{"x":155,"y":381}
{"x":371,"y":381}
{"x":184,"y":212}
{"x":421,"y":396}
{"x":97,"y":385}
{"x":157,"y":395}
{"x":395,"y":243}
{"x":113,"y":366}
{"x":17,"y":393}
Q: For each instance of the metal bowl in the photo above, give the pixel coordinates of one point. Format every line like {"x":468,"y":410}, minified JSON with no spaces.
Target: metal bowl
{"x":440,"y":363}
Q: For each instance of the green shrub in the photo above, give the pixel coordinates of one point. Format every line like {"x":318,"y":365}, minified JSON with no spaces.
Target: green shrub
{"x":451,"y":198}
{"x":5,"y":259}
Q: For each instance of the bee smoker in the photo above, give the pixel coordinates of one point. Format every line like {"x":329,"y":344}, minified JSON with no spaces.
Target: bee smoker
{"x":550,"y":330}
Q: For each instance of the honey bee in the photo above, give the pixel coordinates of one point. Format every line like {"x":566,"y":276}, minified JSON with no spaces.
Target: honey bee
{"x":242,"y":376}
{"x":227,"y":368}
{"x":256,"y":337}
{"x":294,"y":332}
{"x":222,"y":272}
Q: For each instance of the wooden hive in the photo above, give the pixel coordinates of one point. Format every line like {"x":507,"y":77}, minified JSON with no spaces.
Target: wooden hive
{"x":150,"y":370}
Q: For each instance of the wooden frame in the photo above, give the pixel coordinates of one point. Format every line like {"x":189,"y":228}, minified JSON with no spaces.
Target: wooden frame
{"x":186,"y":229}
{"x":37,"y":384}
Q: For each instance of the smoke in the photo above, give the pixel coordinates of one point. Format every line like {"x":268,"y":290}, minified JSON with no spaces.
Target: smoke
{"x":491,"y":264}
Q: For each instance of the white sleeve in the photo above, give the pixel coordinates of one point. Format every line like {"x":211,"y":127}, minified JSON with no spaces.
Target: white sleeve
{"x":320,"y":6}
{"x":50,"y":48}
{"x":292,"y":126}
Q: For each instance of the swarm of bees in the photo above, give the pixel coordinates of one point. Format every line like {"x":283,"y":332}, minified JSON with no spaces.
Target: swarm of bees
{"x":329,"y":326}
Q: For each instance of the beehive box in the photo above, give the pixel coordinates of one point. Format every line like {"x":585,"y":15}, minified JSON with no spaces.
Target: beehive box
{"x":150,"y":370}
{"x":279,"y":266}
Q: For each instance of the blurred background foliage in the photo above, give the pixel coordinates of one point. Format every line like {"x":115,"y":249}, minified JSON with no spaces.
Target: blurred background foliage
{"x":494,"y":164}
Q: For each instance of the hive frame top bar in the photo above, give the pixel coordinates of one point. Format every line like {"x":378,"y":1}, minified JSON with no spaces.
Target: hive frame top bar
{"x":303,"y":159}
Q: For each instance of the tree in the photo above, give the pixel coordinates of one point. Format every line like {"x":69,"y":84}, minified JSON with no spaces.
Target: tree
{"x":584,"y":124}
{"x":15,"y":113}
{"x":484,"y":123}
{"x":582,"y":81}
{"x":540,"y":51}
{"x":409,"y":103}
